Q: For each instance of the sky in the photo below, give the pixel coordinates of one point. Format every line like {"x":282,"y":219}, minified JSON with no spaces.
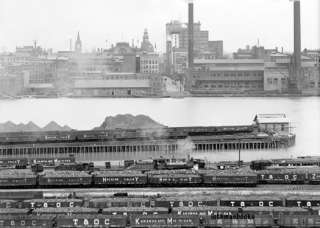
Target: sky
{"x":103,"y":22}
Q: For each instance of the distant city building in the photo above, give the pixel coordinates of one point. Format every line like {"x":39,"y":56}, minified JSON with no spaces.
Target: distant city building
{"x":78,"y":44}
{"x":216,"y":48}
{"x":115,"y":85}
{"x":146,"y":46}
{"x":10,"y":84}
{"x":177,"y":46}
{"x":150,"y":63}
{"x":255,"y":52}
{"x":228,"y":76}
{"x":277,"y":73}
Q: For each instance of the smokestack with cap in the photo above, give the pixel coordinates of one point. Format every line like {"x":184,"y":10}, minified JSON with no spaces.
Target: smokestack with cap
{"x":190,"y":35}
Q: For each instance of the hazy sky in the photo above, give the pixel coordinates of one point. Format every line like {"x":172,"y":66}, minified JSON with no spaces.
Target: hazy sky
{"x":237,"y":22}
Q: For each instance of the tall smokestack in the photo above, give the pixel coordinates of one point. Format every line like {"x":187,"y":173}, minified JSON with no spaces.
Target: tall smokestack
{"x":190,"y":36}
{"x":297,"y":37}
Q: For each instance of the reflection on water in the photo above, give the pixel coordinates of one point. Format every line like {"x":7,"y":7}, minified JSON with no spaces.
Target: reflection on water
{"x":88,"y":113}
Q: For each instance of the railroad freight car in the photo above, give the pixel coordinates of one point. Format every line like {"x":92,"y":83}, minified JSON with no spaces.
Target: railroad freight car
{"x":9,"y":204}
{"x":178,"y":179}
{"x":229,"y":178}
{"x":39,"y":203}
{"x":65,"y":211}
{"x":303,"y":201}
{"x":16,"y":178}
{"x":13,"y":162}
{"x":119,"y":179}
{"x":134,"y":211}
{"x":283,"y":176}
{"x":206,"y":211}
{"x":58,"y":179}
{"x":239,"y":221}
{"x":119,"y":202}
{"x":185,"y":201}
{"x":252,"y":201}
{"x":164,"y":221}
{"x":26,"y":221}
{"x":101,"y":221}
{"x":14,"y":212}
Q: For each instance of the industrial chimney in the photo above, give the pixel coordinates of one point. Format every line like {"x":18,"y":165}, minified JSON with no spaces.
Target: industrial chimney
{"x":190,"y":36}
{"x":189,"y":78}
{"x":297,"y":36}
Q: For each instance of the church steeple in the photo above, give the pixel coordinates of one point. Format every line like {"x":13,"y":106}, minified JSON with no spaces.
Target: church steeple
{"x":78,"y":44}
{"x":146,"y":46}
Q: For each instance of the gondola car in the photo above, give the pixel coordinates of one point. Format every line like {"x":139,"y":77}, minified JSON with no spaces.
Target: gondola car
{"x":64,"y":179}
{"x":119,"y":179}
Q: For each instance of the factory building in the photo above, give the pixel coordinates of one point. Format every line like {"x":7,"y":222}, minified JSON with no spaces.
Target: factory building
{"x":98,"y":84}
{"x":228,"y":76}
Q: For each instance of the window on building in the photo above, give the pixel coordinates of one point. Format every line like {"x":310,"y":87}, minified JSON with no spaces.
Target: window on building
{"x":269,"y":80}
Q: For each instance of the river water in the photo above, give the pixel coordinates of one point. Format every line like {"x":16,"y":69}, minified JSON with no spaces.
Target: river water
{"x":84,"y":114}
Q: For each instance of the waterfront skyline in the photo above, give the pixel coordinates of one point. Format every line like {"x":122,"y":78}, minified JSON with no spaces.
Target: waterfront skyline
{"x":58,"y":21}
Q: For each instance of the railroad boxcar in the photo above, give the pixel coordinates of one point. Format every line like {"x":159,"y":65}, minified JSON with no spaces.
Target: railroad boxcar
{"x":303,"y":201}
{"x":64,"y":211}
{"x":119,"y":178}
{"x":184,"y":201}
{"x":9,"y":204}
{"x":174,"y":180}
{"x":12,"y":162}
{"x":13,"y":211}
{"x":26,"y":221}
{"x":16,"y":178}
{"x":164,"y":221}
{"x":46,"y":162}
{"x":229,"y":178}
{"x":251,"y":201}
{"x":239,"y":222}
{"x":293,"y":221}
{"x":119,"y":202}
{"x":134,"y":211}
{"x":205,"y":211}
{"x":283,"y":176}
{"x":101,"y":221}
{"x":276,"y":212}
{"x":64,"y":179}
{"x":313,"y":176}
{"x":39,"y":203}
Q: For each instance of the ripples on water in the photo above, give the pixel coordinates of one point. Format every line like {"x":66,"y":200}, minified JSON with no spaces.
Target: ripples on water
{"x":85,"y":114}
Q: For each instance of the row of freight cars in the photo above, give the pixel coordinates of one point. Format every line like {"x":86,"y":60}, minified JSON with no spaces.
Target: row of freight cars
{"x":186,"y":201}
{"x":15,"y":178}
{"x":238,"y":218}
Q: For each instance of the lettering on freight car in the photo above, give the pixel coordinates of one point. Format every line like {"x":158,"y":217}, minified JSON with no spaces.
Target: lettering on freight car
{"x":187,"y":203}
{"x":86,"y":222}
{"x":46,"y":204}
{"x":260,"y":203}
{"x":22,"y":223}
{"x":308,"y":204}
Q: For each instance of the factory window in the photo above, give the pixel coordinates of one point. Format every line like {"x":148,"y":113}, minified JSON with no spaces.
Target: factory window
{"x":312,"y":84}
{"x":129,"y":92}
{"x":269,"y":80}
{"x":319,"y":84}
{"x":226,"y":74}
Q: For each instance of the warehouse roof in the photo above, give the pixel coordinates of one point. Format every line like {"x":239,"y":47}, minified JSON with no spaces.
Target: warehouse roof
{"x":271,"y":118}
